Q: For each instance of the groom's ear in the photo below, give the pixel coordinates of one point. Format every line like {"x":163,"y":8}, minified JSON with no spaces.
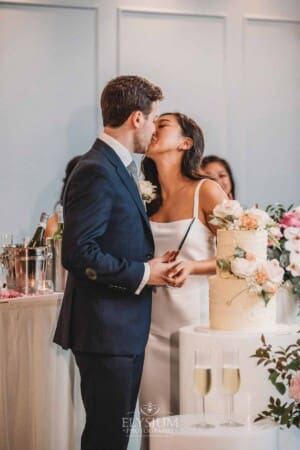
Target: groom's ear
{"x":137,"y":118}
{"x":187,"y":143}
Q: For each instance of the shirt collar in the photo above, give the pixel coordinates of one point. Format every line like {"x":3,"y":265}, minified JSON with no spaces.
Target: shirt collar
{"x":122,"y":152}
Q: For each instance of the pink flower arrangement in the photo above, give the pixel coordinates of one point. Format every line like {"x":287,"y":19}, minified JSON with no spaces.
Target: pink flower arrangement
{"x":283,"y":369}
{"x":288,"y":251}
{"x":291,"y":219}
{"x":294,"y":390}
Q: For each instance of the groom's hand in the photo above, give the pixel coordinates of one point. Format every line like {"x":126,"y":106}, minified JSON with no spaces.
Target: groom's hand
{"x":159,"y":267}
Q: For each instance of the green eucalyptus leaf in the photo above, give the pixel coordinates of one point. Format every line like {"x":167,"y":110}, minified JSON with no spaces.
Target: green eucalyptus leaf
{"x":280,"y":388}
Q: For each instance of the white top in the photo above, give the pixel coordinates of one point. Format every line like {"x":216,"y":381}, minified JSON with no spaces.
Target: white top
{"x":173,"y":307}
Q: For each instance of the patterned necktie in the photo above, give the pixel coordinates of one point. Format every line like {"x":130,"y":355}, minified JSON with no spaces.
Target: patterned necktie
{"x":132,"y":169}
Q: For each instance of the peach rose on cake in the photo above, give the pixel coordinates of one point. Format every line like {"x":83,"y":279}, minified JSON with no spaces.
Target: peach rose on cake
{"x":261,"y":217}
{"x":261,"y":276}
{"x":248,"y":222}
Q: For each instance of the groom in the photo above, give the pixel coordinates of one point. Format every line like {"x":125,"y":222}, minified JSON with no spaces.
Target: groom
{"x":108,"y":250}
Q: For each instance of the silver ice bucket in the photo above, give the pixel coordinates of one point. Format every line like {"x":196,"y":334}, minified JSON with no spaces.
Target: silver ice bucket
{"x":25,"y":267}
{"x":55,"y":270}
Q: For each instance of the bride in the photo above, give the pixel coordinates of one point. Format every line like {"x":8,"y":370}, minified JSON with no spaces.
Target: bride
{"x":184,"y":201}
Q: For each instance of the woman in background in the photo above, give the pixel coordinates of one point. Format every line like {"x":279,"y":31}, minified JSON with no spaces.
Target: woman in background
{"x":184,"y":198}
{"x":52,"y":222}
{"x":220,"y":170}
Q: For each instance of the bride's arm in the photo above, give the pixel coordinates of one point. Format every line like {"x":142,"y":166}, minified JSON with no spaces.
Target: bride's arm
{"x":211,"y":194}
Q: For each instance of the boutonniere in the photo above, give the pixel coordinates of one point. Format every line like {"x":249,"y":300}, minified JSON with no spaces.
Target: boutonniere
{"x":148,"y":191}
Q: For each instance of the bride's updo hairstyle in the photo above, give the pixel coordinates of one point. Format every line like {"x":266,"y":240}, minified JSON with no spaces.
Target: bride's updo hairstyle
{"x":191,"y":161}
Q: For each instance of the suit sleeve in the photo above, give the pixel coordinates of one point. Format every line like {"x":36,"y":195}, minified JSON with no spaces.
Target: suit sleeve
{"x":87,"y":210}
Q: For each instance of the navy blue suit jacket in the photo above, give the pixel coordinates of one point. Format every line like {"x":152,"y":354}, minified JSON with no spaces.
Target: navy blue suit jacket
{"x":107,"y":237}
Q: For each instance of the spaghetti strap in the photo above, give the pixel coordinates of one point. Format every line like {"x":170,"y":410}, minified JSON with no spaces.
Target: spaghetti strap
{"x":196,"y":198}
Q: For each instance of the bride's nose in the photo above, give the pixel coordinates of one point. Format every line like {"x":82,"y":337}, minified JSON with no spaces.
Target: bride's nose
{"x":154,"y":137}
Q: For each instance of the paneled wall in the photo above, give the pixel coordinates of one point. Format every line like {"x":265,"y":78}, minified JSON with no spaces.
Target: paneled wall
{"x":233,"y":65}
{"x":48,"y":106}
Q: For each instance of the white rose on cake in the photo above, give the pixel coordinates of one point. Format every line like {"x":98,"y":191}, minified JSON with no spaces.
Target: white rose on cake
{"x":294,"y":266}
{"x":274,"y":271}
{"x":228,"y":208}
{"x":292,"y":235}
{"x":243,"y":268}
{"x":269,"y":287}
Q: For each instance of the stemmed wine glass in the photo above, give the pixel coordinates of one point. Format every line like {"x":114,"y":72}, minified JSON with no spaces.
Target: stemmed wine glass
{"x":202,"y":380}
{"x":231,"y":383}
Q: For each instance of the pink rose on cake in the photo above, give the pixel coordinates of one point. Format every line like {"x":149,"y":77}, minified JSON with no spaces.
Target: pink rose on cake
{"x":294,"y":390}
{"x":243,"y":268}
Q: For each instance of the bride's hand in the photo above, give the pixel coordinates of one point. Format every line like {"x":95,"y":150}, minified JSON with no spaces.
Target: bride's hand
{"x":177,"y":276}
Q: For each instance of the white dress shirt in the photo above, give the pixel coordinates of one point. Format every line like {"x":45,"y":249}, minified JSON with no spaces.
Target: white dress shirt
{"x":125,"y":156}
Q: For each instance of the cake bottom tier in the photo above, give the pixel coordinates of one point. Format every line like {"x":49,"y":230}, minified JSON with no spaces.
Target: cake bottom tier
{"x":233,"y":307}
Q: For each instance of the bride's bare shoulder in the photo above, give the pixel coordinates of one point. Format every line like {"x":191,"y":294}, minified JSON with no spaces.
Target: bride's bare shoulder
{"x":211,"y":192}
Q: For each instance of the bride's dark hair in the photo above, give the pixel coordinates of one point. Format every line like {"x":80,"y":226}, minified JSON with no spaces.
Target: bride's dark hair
{"x":190,"y":164}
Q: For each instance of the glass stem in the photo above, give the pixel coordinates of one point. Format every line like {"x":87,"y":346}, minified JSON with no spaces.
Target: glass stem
{"x":231,"y":408}
{"x":203,"y":409}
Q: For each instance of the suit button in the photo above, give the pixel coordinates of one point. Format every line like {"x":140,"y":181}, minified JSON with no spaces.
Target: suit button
{"x":149,"y":256}
{"x":91,"y":273}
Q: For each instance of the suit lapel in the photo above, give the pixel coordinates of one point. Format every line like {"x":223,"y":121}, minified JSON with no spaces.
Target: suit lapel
{"x":126,"y":180}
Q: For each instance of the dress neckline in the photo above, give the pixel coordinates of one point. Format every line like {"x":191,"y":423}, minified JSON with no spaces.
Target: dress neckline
{"x":197,"y":220}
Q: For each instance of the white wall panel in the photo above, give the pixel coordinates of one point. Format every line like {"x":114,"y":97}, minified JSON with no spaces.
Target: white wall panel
{"x":48,"y":108}
{"x":185,"y":55}
{"x":272,"y":110}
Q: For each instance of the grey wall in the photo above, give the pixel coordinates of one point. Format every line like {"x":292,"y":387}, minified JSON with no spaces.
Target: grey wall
{"x":233,"y":65}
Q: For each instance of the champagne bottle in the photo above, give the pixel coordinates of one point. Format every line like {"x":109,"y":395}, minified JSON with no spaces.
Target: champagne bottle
{"x":37,"y":238}
{"x":60,"y":223}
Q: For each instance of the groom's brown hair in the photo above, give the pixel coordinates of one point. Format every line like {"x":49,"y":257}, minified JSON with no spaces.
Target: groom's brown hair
{"x":126,"y":94}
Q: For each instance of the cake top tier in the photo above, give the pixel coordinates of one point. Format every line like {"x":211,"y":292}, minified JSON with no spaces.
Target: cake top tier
{"x":229,"y":215}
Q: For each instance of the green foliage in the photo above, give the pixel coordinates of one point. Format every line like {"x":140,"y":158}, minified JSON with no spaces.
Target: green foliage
{"x":224,"y":265}
{"x":239,"y":252}
{"x":282,"y":364}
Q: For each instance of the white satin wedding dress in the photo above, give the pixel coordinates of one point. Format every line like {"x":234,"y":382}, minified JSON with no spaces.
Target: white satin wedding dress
{"x":173,"y":308}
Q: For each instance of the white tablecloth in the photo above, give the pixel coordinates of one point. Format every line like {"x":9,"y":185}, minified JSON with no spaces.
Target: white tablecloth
{"x":40,"y":403}
{"x":179,"y":433}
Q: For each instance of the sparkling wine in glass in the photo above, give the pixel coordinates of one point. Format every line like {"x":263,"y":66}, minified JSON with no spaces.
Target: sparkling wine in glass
{"x":231,"y":381}
{"x":202,"y":381}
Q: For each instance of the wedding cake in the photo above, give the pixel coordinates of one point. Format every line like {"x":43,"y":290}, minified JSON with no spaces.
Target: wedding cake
{"x":242,"y":294}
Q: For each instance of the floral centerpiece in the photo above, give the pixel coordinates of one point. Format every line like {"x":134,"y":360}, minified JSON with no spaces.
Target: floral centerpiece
{"x":283,"y":366}
{"x":263,"y":277}
{"x":288,"y":250}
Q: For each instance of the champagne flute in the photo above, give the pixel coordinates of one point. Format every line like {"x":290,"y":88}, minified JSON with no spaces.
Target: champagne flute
{"x":231,"y":383}
{"x":202,"y":380}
